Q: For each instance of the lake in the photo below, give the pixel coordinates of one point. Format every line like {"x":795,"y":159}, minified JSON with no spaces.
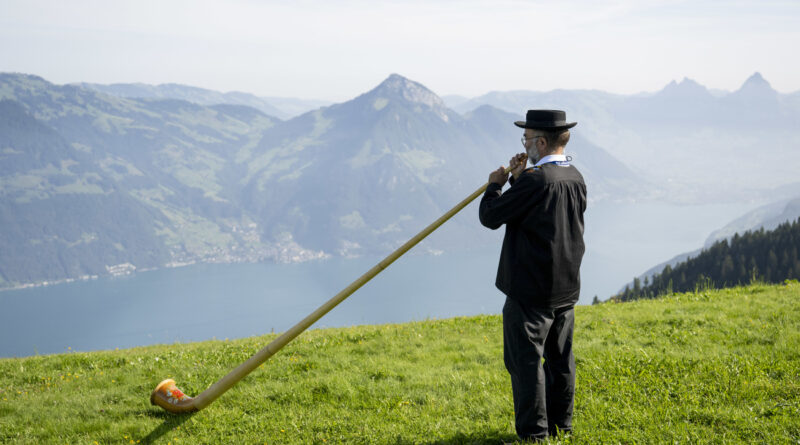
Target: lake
{"x":206,"y":301}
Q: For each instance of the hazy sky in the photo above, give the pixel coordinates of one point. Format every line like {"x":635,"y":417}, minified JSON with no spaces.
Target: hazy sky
{"x":336,"y":50}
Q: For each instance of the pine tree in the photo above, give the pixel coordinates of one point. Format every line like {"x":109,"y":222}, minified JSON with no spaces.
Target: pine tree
{"x":726,"y":271}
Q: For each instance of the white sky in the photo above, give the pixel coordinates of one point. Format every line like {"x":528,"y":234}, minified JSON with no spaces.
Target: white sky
{"x":336,"y":50}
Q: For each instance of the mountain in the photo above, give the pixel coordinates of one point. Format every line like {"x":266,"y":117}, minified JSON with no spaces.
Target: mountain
{"x":767,"y":217}
{"x":93,"y":183}
{"x":697,"y":145}
{"x":370,"y":172}
{"x":454,"y":100}
{"x":45,"y":183}
{"x":280,"y":107}
{"x":686,"y":103}
{"x":364,"y":171}
{"x":292,"y":107}
{"x":395,"y":158}
{"x":755,"y":87}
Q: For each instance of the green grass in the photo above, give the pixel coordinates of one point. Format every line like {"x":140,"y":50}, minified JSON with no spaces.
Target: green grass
{"x":708,"y":367}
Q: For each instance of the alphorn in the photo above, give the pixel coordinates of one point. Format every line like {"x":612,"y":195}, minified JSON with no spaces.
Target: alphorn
{"x":168,"y":396}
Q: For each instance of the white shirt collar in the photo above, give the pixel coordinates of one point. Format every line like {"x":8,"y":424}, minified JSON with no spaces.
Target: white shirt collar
{"x":551,"y":158}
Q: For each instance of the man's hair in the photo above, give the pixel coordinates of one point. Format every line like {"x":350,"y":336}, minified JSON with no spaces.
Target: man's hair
{"x":555,"y":139}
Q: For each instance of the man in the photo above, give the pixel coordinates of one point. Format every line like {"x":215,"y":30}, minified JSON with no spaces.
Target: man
{"x":539,"y":271}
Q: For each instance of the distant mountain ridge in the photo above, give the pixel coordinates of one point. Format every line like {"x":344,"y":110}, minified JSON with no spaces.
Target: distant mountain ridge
{"x":767,"y":217}
{"x":279,"y":107}
{"x":94,"y":183}
{"x":702,"y":145}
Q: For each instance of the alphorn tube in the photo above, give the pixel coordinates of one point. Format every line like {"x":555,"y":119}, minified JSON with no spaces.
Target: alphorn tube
{"x":168,"y":396}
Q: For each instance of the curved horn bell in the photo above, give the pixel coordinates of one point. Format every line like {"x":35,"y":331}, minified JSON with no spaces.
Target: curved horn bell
{"x":172,"y":399}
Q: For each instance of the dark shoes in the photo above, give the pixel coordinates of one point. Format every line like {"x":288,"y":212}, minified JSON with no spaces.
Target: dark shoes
{"x":554,"y":434}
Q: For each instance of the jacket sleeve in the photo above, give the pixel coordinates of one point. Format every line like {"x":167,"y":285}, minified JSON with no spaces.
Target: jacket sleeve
{"x":498,"y":208}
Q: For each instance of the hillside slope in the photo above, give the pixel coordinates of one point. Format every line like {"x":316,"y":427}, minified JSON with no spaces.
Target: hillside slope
{"x":768,"y":216}
{"x":768,"y":256}
{"x":712,"y":367}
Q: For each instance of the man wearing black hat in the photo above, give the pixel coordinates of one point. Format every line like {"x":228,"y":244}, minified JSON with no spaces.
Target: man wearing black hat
{"x":539,"y":271}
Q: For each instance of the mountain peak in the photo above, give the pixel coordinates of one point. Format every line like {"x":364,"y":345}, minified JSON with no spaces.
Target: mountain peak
{"x":686,"y":87}
{"x":690,"y":82}
{"x":756,"y":82}
{"x":397,"y":86}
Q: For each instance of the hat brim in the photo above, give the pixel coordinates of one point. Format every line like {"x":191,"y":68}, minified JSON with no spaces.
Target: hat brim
{"x":523,"y":124}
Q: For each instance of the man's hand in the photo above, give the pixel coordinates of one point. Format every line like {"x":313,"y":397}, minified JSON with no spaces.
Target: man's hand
{"x":499,"y":176}
{"x":517,"y":164}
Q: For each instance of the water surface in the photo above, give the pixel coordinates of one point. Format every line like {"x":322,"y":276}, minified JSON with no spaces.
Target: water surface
{"x":205,"y":301}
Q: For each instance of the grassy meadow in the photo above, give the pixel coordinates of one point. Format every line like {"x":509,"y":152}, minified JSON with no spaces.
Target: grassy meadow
{"x":703,"y":367}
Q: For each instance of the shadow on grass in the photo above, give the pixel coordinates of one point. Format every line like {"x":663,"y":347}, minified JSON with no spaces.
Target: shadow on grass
{"x":485,"y":438}
{"x":171,"y":421}
{"x":491,"y":437}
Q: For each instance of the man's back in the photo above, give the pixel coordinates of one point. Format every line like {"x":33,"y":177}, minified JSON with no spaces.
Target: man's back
{"x":543,"y":245}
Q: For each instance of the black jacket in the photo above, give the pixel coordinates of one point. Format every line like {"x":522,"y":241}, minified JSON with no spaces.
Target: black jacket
{"x":543,"y":246}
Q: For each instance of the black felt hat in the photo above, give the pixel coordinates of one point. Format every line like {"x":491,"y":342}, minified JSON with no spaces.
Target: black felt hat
{"x":548,"y":120}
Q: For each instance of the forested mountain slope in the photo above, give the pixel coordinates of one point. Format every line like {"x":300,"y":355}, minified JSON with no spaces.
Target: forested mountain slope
{"x":770,"y":256}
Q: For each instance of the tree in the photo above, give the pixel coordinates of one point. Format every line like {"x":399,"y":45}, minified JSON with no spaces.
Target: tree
{"x":726,"y":271}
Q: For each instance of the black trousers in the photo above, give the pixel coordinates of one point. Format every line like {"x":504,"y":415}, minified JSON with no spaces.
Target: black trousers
{"x":543,"y":393}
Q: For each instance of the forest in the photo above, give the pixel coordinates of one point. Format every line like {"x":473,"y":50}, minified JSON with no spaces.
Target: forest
{"x":759,"y":255}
